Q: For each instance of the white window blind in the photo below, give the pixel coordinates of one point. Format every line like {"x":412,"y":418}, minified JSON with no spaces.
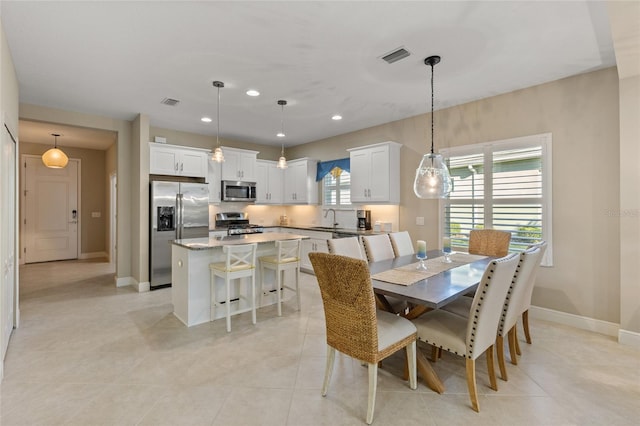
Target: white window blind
{"x":337,"y":191}
{"x":504,"y":185}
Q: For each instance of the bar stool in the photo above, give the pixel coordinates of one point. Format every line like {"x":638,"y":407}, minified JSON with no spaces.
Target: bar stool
{"x":240,"y":263}
{"x":287,"y":258}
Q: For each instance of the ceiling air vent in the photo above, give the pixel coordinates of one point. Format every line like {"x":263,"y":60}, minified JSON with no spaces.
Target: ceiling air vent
{"x":396,"y":55}
{"x":170,"y":102}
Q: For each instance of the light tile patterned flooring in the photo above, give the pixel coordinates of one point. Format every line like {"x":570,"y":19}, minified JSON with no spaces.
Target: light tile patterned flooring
{"x":88,"y":353}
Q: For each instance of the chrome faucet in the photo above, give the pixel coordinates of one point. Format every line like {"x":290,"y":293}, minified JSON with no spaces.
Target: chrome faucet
{"x":335,"y":224}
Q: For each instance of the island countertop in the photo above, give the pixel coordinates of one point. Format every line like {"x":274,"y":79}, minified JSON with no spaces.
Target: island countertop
{"x":206,"y":243}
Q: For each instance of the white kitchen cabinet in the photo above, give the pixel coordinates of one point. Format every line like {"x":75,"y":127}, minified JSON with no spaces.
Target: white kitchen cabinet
{"x":174,"y":160}
{"x":375,"y":173}
{"x":269,"y":182}
{"x":213,"y":180}
{"x":317,"y":242}
{"x":300,"y":185}
{"x":239,"y":164}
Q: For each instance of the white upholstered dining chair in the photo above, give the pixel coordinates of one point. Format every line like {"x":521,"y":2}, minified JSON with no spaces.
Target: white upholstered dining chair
{"x":349,"y":246}
{"x":473,"y":336}
{"x":377,"y":247}
{"x":401,"y":243}
{"x":523,"y":280}
{"x":354,"y":326}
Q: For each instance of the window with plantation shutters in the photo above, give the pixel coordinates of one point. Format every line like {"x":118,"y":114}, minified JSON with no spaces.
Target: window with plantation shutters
{"x":337,"y":190}
{"x":504,"y":185}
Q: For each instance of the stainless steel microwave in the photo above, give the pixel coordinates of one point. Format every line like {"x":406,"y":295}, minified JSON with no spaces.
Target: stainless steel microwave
{"x":238,"y":191}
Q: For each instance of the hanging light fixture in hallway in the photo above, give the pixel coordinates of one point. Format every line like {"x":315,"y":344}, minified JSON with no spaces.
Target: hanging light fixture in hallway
{"x":54,"y":158}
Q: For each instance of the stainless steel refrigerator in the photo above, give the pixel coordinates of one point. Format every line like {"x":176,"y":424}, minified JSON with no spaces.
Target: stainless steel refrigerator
{"x":178,"y":210}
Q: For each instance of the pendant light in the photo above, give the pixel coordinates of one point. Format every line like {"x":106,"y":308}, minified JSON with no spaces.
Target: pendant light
{"x":217,"y":153}
{"x":432,"y":176}
{"x":55,"y":158}
{"x":282,"y":161}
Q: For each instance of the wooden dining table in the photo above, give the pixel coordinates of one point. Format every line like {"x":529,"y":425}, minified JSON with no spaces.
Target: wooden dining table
{"x":432,"y":292}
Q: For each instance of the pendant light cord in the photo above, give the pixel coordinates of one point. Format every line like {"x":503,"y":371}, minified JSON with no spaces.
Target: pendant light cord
{"x":432,"y":64}
{"x":218,"y":120}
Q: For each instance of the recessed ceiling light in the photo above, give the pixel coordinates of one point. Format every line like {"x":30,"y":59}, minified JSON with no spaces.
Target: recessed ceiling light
{"x":253,"y":92}
{"x":206,"y":120}
{"x":336,"y":117}
{"x":280,"y":135}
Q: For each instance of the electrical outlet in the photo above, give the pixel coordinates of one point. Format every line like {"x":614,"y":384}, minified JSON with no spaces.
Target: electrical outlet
{"x":419,"y":220}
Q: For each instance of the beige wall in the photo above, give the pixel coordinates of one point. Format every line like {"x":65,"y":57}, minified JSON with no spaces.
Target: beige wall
{"x":629,"y":211}
{"x":140,"y":201}
{"x":92,"y":193}
{"x":581,"y":112}
{"x":110,"y":168}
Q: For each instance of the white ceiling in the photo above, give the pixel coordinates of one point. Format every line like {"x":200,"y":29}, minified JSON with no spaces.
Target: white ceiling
{"x":119,"y":59}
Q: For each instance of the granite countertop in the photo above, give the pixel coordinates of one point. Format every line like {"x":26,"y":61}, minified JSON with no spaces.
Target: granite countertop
{"x":348,"y":231}
{"x":206,"y":243}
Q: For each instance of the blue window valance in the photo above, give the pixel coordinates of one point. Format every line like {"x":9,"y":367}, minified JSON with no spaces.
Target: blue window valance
{"x":324,"y":167}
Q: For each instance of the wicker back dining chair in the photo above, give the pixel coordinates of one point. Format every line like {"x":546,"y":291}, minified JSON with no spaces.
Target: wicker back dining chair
{"x":489,"y":242}
{"x":353,"y":325}
{"x":473,"y":336}
{"x":401,"y":243}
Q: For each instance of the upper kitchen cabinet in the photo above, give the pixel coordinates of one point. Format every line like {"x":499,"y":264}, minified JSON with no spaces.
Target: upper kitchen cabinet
{"x":375,"y":173}
{"x":300,"y":185}
{"x":239,"y":164}
{"x":269,"y":183}
{"x":174,"y":160}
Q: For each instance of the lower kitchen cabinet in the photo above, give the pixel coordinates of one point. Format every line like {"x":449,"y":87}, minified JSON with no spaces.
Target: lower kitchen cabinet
{"x":317,"y":242}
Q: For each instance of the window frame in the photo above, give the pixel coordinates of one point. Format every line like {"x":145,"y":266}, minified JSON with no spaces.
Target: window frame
{"x":338,"y":188}
{"x":544,"y":141}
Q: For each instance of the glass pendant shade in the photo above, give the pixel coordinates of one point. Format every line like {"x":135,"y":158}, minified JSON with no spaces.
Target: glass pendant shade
{"x":218,"y":155}
{"x":282,"y":163}
{"x":432,"y":178}
{"x":55,"y":158}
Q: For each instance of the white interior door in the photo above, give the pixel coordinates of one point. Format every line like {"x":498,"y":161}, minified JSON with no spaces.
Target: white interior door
{"x":8,"y":238}
{"x":51,"y":211}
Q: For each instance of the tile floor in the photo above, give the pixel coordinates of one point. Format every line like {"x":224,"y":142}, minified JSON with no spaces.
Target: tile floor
{"x":88,"y":353}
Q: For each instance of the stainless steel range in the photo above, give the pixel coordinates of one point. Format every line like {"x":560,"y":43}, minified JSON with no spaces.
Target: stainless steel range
{"x":237,"y":223}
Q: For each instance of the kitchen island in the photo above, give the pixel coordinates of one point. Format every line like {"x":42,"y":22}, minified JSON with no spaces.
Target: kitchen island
{"x":190,"y":259}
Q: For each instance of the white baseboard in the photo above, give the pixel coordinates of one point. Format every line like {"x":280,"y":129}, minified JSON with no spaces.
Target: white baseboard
{"x":629,"y":338}
{"x":141,"y":287}
{"x":577,"y":321}
{"x":125,"y":281}
{"x":93,"y":255}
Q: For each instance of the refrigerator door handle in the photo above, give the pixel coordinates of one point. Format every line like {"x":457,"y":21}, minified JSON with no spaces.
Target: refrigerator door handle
{"x":179,"y":212}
